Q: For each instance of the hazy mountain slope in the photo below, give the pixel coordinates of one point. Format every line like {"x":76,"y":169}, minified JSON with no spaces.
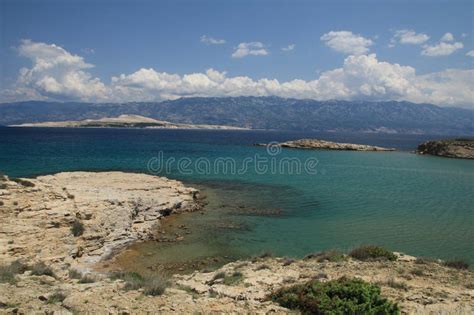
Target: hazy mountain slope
{"x":263,"y":113}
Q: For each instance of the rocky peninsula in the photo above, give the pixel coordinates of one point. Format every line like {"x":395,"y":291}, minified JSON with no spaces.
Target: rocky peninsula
{"x":109,"y":210}
{"x":453,"y":148}
{"x":328,"y":145}
{"x":56,"y":228}
{"x":124,"y":121}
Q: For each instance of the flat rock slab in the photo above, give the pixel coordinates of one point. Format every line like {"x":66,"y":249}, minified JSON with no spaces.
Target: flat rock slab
{"x":115,"y":209}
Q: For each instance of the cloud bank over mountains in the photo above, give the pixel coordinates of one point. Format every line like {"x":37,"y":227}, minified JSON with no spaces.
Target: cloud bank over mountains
{"x":57,"y":74}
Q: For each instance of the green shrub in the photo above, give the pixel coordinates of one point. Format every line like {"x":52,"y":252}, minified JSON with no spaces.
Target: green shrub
{"x":425,"y":260}
{"x":417,"y":272}
{"x":18,"y":267}
{"x":342,"y":296}
{"x":8,"y":272}
{"x":457,"y":264}
{"x":87,"y":279}
{"x":262,"y":267}
{"x":40,"y":269}
{"x":6,"y":275}
{"x":371,"y":252}
{"x":133,"y":280}
{"x":77,"y":228}
{"x":154,"y":285}
{"x":74,"y":274}
{"x":56,"y":297}
{"x":234,"y":278}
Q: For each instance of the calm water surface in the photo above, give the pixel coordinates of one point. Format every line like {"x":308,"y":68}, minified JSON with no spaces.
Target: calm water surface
{"x":420,"y":205}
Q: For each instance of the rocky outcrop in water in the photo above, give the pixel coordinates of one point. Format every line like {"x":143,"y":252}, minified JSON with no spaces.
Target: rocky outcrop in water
{"x":453,"y":148}
{"x":328,"y":145}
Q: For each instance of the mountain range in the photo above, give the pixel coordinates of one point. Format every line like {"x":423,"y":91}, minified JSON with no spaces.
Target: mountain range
{"x":262,"y":113}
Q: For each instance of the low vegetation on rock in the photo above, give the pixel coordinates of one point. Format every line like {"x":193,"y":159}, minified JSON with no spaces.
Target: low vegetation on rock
{"x":232,"y":279}
{"x":41,"y":269}
{"x":23,"y":182}
{"x":400,"y":285}
{"x":371,"y":252}
{"x":87,"y":279}
{"x":457,"y":264}
{"x":332,"y":255}
{"x":56,"y":297}
{"x":74,"y":274}
{"x":77,"y":228}
{"x":8,"y":272}
{"x":341,"y":296}
{"x":153,"y":285}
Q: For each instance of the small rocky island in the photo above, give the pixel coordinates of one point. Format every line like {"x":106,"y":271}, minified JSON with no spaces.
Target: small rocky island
{"x":328,"y":145}
{"x":453,"y":148}
{"x":124,"y":121}
{"x":56,"y":228}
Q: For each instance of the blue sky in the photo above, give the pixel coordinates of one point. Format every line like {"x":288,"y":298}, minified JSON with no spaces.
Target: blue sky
{"x":122,"y":37}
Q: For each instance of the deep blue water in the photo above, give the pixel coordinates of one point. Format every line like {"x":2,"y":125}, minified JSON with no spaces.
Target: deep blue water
{"x":420,"y":205}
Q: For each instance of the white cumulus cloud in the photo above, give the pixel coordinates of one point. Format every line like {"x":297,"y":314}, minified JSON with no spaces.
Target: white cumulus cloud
{"x":470,"y":53}
{"x":252,"y":48}
{"x":347,"y":42}
{"x":409,"y":37}
{"x":290,"y":47}
{"x":445,"y":47}
{"x":211,"y":40}
{"x":56,"y":74}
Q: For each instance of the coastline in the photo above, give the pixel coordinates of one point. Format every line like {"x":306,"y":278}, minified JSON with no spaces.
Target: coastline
{"x":125,"y":121}
{"x":113,"y":209}
{"x":434,"y":288}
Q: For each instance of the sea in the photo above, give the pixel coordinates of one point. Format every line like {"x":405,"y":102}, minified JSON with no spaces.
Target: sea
{"x":290,"y":202}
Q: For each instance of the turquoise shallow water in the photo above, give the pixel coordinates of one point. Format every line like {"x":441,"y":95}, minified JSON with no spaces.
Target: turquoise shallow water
{"x":420,"y":205}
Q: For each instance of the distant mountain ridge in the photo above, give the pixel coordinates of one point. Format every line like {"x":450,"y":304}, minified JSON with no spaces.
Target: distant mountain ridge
{"x":262,"y":113}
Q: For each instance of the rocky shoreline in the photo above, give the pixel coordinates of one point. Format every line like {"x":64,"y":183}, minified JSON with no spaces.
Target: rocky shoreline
{"x":452,"y":148}
{"x":328,"y":145}
{"x":113,"y":209}
{"x":39,"y":217}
